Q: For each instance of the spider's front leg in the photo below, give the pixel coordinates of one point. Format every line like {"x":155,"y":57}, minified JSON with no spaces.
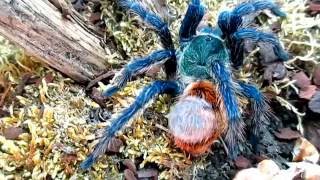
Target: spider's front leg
{"x":148,"y":93}
{"x":231,"y":25}
{"x":230,"y":21}
{"x":191,"y":20}
{"x":136,"y":66}
{"x":160,"y":27}
{"x":258,"y":36}
{"x":235,"y":132}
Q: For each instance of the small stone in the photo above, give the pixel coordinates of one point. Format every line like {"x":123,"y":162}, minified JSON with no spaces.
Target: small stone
{"x":12,"y":133}
{"x":148,"y":173}
{"x":268,"y":167}
{"x":305,"y":151}
{"x":287,"y":134}
{"x":248,"y":174}
{"x":242,"y":162}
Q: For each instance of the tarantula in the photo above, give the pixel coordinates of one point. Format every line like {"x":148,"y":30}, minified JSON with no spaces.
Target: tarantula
{"x":199,"y":71}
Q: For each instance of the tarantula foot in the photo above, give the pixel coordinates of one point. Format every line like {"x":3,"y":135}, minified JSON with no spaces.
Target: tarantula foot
{"x":87,"y":163}
{"x":110,"y":91}
{"x":106,"y":143}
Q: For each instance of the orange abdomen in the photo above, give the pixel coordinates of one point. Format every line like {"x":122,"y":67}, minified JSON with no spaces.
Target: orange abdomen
{"x":198,"y":118}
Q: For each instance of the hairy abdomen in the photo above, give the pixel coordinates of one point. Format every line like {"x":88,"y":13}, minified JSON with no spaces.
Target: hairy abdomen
{"x":198,"y":118}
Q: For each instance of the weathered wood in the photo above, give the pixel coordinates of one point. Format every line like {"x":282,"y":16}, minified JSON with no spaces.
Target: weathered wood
{"x":65,"y":44}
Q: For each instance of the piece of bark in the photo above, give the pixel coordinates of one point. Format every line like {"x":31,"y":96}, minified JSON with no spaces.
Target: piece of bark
{"x":68,"y":45}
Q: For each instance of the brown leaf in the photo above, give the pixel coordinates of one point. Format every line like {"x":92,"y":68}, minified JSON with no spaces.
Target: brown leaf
{"x":114,"y":145}
{"x":130,"y":165}
{"x":242,"y":162}
{"x":308,"y":92}
{"x":314,"y":103}
{"x":69,"y":158}
{"x":302,"y":80}
{"x":12,"y":133}
{"x":148,"y":173}
{"x":129,"y":175}
{"x":68,"y":161}
{"x":313,"y":7}
{"x":48,"y":78}
{"x":287,"y":134}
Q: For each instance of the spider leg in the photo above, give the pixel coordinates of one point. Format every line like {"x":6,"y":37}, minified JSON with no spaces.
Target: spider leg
{"x":229,"y":22}
{"x":136,"y":66}
{"x":252,"y":7}
{"x":161,"y":28}
{"x":258,"y":36}
{"x":235,"y":132}
{"x":148,"y":93}
{"x":260,"y":109}
{"x":191,"y":20}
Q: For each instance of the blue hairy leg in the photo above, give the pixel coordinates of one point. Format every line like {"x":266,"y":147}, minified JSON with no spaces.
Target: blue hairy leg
{"x":235,"y":132}
{"x":231,"y":22}
{"x":257,"y":36}
{"x":260,"y":109}
{"x":136,"y":66}
{"x":148,"y":93}
{"x":191,"y":20}
{"x":254,"y":6}
{"x":151,"y":19}
{"x":161,"y":28}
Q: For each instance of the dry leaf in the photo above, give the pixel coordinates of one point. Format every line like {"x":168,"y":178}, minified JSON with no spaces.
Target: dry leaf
{"x":308,"y":92}
{"x":287,"y":134}
{"x":129,"y":175}
{"x":242,"y":162}
{"x":301,"y":80}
